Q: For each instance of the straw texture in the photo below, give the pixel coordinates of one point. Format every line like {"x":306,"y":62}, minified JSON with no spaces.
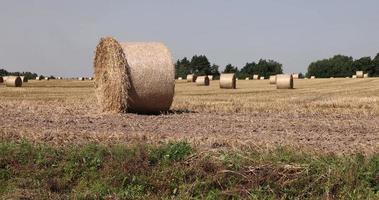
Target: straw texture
{"x":191,"y":78}
{"x":202,"y":81}
{"x":133,"y":77}
{"x":228,"y":81}
{"x":273,"y":79}
{"x":13,"y":81}
{"x":24,"y":79}
{"x":284,"y":81}
{"x":359,"y":74}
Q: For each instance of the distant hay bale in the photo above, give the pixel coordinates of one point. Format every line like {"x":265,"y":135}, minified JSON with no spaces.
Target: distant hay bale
{"x":38,"y":78}
{"x":255,"y":76}
{"x":180,"y":78}
{"x":13,"y":81}
{"x":237,"y":79}
{"x":90,"y":78}
{"x":365,"y":76}
{"x":24,"y":79}
{"x":191,"y":78}
{"x":359,"y":74}
{"x":228,"y":81}
{"x":262,"y":78}
{"x":210,"y":77}
{"x":247,"y":78}
{"x":202,"y":81}
{"x":313,"y":77}
{"x":1,"y":79}
{"x":284,"y":81}
{"x":47,"y":78}
{"x":5,"y":78}
{"x":81,"y":78}
{"x":332,"y":77}
{"x":272,"y":79}
{"x":354,"y":76}
{"x":295,"y":76}
{"x":133,"y":77}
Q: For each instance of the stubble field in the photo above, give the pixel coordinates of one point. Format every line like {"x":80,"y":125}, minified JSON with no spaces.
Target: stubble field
{"x":322,"y":115}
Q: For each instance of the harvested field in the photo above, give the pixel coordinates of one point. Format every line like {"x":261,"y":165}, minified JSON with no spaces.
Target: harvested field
{"x":320,"y":115}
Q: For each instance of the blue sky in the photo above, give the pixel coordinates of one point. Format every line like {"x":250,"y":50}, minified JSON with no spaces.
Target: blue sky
{"x":54,"y":37}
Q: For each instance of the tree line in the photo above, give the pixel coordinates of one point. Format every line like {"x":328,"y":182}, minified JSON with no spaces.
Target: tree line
{"x":28,"y":75}
{"x":200,"y":65}
{"x":343,"y":66}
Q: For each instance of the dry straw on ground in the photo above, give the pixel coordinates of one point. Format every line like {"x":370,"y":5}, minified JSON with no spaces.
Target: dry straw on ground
{"x":255,"y":76}
{"x":202,"y":81}
{"x":133,"y":77}
{"x":284,"y":81}
{"x":13,"y":81}
{"x":272,"y":79}
{"x":191,"y":78}
{"x":228,"y":81}
{"x":359,"y":74}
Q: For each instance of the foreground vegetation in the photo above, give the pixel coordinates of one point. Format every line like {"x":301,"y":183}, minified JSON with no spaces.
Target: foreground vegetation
{"x":177,"y":170}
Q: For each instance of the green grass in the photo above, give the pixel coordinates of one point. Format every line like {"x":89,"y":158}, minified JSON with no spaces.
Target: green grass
{"x":177,"y":170}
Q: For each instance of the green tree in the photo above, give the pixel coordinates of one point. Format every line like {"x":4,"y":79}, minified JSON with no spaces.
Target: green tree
{"x":337,"y":66}
{"x":182,"y":68}
{"x":214,"y":70}
{"x":363,"y":64}
{"x":229,"y":68}
{"x":200,"y":65}
{"x":375,"y":66}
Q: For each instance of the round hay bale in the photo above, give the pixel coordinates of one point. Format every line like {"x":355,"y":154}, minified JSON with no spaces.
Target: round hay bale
{"x":47,"y":78}
{"x":38,"y":78}
{"x":202,"y":81}
{"x":228,"y":81}
{"x":5,"y":78}
{"x":354,"y":76}
{"x":13,"y":81}
{"x":1,"y":79}
{"x":255,"y":76}
{"x":284,"y":81}
{"x":365,"y":76}
{"x":247,"y":78}
{"x":359,"y":74}
{"x":210,"y":77}
{"x":133,"y":77}
{"x":81,"y":78}
{"x":191,"y":78}
{"x":313,"y":77}
{"x":24,"y":79}
{"x":262,"y":78}
{"x":180,"y":78}
{"x":295,"y":76}
{"x":272,"y":79}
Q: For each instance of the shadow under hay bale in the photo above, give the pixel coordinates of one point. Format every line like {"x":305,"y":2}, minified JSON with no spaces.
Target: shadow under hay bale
{"x":1,"y":79}
{"x":284,"y":81}
{"x":133,"y":77}
{"x":202,"y":81}
{"x":228,"y":81}
{"x":13,"y":81}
